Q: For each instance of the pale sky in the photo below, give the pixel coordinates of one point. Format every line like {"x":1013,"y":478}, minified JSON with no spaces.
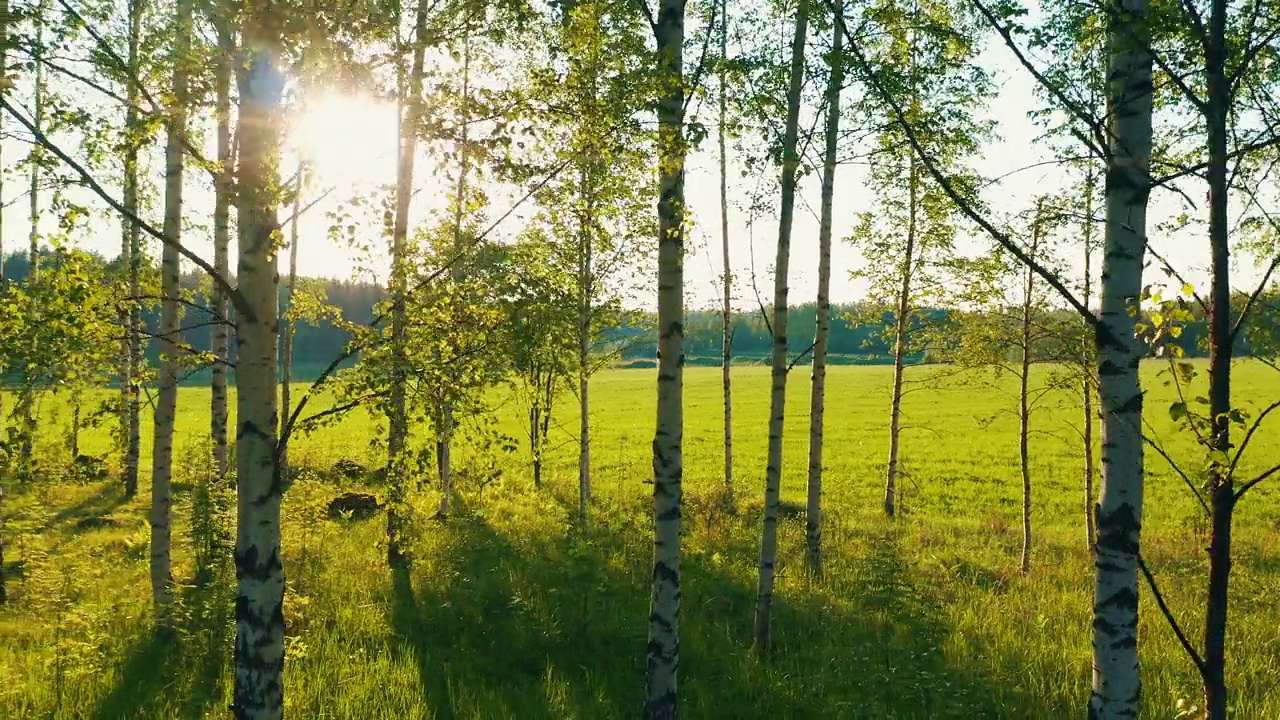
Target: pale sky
{"x":353,"y":141}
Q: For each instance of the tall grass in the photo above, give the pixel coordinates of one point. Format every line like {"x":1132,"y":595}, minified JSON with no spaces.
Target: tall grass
{"x":510,"y":610}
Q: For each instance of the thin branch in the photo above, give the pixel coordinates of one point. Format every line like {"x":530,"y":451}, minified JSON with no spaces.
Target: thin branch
{"x":1262,"y":284}
{"x":310,"y":420}
{"x":702,"y":60}
{"x":124,"y":69}
{"x":236,"y":298}
{"x":964,"y":205}
{"x":217,"y":319}
{"x":1248,"y":436}
{"x":1098,"y":142}
{"x":1168,"y":615}
{"x":308,"y":206}
{"x":1246,"y":487}
{"x":1169,"y":268}
{"x":1190,"y":485}
{"x":801,"y":356}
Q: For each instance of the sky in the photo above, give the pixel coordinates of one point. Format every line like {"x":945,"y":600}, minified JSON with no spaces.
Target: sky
{"x":352,"y":143}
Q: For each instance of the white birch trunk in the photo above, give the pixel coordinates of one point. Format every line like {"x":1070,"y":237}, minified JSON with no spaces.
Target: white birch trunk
{"x":817,"y":397}
{"x":410,"y":114}
{"x":4,"y":83}
{"x":778,"y":393}
{"x":259,"y":645}
{"x":27,"y":400}
{"x":1116,"y":683}
{"x":663,"y":650}
{"x":726,"y":346}
{"x":286,"y":341}
{"x":1087,"y":383}
{"x":170,"y":317}
{"x":445,"y":451}
{"x":218,"y":415}
{"x":131,"y":246}
{"x":586,"y":291}
{"x":131,"y":255}
{"x":902,"y":319}
{"x":1025,"y":340}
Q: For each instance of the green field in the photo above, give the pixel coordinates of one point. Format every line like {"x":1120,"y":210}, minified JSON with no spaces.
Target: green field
{"x":512,"y":611}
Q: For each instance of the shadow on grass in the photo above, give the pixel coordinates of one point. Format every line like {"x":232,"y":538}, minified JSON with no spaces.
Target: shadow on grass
{"x":103,"y":500}
{"x":515,"y":625}
{"x":177,"y":673}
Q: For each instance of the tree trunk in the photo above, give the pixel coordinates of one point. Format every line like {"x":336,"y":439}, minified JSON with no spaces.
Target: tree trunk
{"x":130,"y":256}
{"x":445,"y":451}
{"x":813,"y":513}
{"x":286,"y":340}
{"x":1025,"y":340}
{"x":1087,"y":383}
{"x":1222,"y":493}
{"x":4,"y":283}
{"x":259,"y":646}
{"x":410,"y":114}
{"x":778,"y":394}
{"x":535,"y":435}
{"x":1116,"y":684}
{"x":221,"y":242}
{"x":170,"y":317}
{"x":726,"y":342}
{"x":27,"y":401}
{"x":77,"y":405}
{"x":586,"y":291}
{"x":902,"y":321}
{"x":663,"y":649}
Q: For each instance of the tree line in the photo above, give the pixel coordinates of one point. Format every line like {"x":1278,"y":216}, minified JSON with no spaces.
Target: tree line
{"x":857,"y":334}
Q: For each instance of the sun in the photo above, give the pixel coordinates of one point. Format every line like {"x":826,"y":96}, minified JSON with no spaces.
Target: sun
{"x":349,"y":140}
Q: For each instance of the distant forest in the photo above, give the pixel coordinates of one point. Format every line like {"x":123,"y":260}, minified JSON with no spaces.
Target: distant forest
{"x":859,"y":336}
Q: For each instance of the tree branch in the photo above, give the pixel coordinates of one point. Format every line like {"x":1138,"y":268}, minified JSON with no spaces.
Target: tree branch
{"x":1168,"y":615}
{"x":1190,"y":485}
{"x":1248,"y":436}
{"x":801,"y":356}
{"x":947,"y":186}
{"x":236,"y":298}
{"x":1246,"y":487}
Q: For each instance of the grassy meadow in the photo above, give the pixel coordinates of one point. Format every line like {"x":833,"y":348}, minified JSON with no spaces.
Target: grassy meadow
{"x":510,"y":611}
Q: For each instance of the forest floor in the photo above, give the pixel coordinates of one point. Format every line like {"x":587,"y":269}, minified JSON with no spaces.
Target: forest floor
{"x":511,"y":611}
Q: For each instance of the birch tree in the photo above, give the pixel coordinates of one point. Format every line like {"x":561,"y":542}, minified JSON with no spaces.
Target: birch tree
{"x":1074,"y":38}
{"x":817,"y":397}
{"x":928,"y":54}
{"x":1012,"y":327}
{"x":1088,"y":383}
{"x":170,"y":331}
{"x":289,"y":323}
{"x":131,"y":255}
{"x":259,"y":643}
{"x":1116,"y":683}
{"x":27,"y":396}
{"x":5,"y":85}
{"x":726,"y":343}
{"x":778,"y":385}
{"x":1124,"y":141}
{"x":222,"y":202}
{"x":410,"y":114}
{"x":445,"y":417}
{"x":663,"y":649}
{"x":589,"y":92}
